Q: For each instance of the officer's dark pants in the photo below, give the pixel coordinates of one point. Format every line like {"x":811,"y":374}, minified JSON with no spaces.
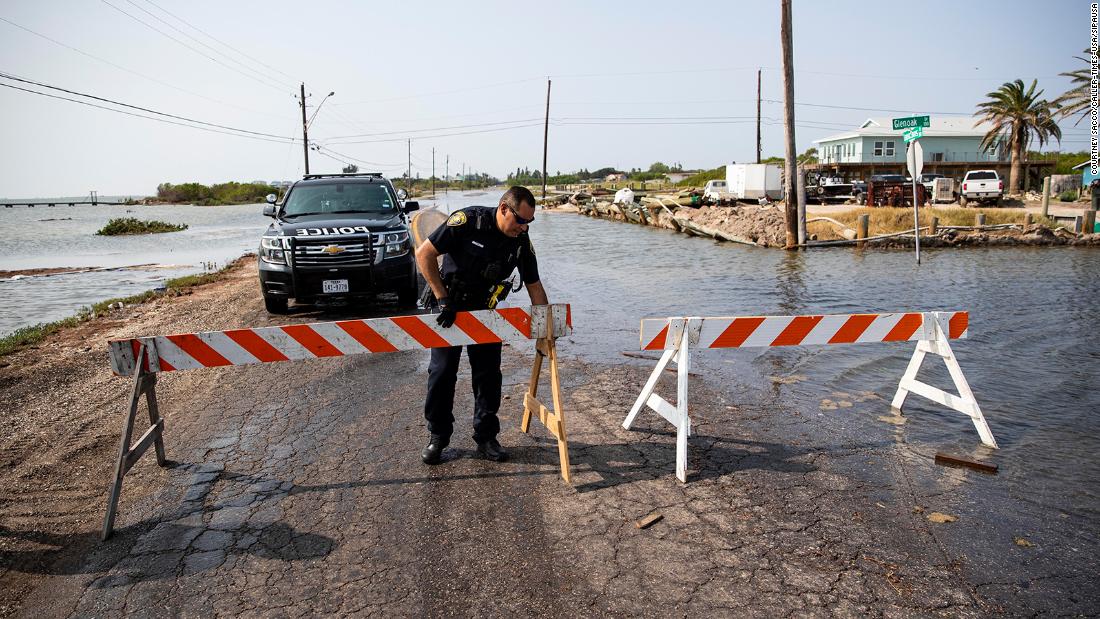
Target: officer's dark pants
{"x":486,"y":378}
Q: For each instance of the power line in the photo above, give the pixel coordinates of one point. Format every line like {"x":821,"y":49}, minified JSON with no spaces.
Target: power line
{"x":483,"y":113}
{"x":141,"y":75}
{"x":136,"y":107}
{"x":216,"y":51}
{"x":441,"y":135}
{"x":215,"y":39}
{"x":170,"y":122}
{"x":389,"y":166}
{"x":441,"y":92}
{"x":654,"y":117}
{"x":671,"y":71}
{"x":152,"y":27}
{"x":867,"y":109}
{"x":407,"y":131}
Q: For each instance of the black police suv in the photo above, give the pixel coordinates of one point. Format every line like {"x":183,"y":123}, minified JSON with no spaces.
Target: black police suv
{"x":337,"y":236}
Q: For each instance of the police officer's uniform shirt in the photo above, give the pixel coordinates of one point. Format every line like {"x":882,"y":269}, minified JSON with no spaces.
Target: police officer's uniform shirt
{"x":471,"y":241}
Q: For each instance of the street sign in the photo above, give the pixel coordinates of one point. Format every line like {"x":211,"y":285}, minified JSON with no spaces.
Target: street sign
{"x":913,"y":134}
{"x":910,"y":121}
{"x":914,"y":159}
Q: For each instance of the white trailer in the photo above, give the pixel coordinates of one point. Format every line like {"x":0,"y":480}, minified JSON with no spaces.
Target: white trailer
{"x":753,"y":181}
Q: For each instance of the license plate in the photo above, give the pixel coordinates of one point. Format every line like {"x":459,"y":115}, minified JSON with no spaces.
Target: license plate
{"x":330,"y":286}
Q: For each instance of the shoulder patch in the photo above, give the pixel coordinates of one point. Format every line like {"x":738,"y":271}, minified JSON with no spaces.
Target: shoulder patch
{"x":458,"y":218}
{"x":530,"y":246}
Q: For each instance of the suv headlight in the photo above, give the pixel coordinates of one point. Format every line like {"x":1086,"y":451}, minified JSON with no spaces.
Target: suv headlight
{"x":272,"y":250}
{"x":397,"y":244}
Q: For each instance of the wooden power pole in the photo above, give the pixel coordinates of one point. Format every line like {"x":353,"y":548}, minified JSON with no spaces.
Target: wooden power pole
{"x":305,"y":132}
{"x":758,"y":116}
{"x":790,"y":190}
{"x":545,"y":135}
{"x":409,"y":170}
{"x":433,"y":172}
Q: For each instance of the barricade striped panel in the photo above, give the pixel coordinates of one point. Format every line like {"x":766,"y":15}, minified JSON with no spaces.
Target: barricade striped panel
{"x":188,"y":351}
{"x":764,"y":331}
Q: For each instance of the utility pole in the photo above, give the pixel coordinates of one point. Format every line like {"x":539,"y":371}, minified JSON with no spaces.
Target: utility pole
{"x":464,"y":175}
{"x":305,"y":127}
{"x":447,"y":172}
{"x":433,"y":172}
{"x":545,"y":135}
{"x":409,"y":170}
{"x":758,"y":116}
{"x":790,"y":192}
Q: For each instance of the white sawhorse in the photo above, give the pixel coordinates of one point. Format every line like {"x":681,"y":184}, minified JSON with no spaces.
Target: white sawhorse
{"x":935,"y":341}
{"x":685,"y":333}
{"x":682,"y":329}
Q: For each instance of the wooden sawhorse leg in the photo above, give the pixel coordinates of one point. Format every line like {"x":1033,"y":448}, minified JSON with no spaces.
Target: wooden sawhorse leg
{"x":554,"y":420}
{"x":145,"y":383}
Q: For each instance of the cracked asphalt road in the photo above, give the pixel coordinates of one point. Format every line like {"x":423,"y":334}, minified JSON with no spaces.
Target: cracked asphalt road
{"x":297,"y":490}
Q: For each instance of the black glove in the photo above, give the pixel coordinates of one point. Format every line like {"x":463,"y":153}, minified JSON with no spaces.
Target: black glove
{"x":446,"y":313}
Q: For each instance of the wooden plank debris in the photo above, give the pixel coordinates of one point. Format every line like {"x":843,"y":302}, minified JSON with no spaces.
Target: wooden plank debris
{"x":943,"y":459}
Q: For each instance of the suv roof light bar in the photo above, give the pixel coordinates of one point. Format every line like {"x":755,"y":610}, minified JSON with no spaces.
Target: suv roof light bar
{"x":366,"y":174}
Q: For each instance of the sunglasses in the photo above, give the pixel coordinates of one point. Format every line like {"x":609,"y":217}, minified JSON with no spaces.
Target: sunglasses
{"x":519,"y":219}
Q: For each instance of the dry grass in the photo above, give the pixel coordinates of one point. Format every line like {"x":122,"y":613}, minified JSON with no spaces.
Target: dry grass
{"x":887,"y":220}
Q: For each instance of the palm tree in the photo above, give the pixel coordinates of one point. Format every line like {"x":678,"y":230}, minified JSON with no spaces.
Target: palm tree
{"x":1020,"y":113}
{"x":1076,"y":99}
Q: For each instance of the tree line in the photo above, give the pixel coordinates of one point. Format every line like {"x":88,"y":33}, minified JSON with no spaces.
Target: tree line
{"x":209,"y":195}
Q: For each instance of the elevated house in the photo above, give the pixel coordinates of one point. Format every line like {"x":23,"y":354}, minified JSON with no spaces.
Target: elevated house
{"x":1087,"y":177}
{"x":679,"y":175}
{"x":952,"y":145}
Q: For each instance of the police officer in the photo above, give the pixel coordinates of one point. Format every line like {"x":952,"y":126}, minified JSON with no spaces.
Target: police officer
{"x":481,"y":247}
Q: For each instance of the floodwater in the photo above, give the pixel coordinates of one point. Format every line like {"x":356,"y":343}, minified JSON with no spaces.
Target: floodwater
{"x":1032,"y":358}
{"x":64,"y":236}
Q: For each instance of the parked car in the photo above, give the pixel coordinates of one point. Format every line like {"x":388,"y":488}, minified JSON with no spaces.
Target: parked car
{"x":716,"y":192}
{"x":337,"y":236}
{"x":859,"y":191}
{"x":829,"y":189}
{"x":981,"y":185}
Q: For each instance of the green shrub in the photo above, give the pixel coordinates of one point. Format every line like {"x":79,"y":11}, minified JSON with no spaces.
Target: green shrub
{"x":130,"y":225}
{"x":701,"y":178}
{"x":1067,"y":196}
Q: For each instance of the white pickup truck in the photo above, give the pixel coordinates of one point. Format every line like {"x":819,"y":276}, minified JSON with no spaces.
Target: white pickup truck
{"x":981,"y":185}
{"x":717,"y":192}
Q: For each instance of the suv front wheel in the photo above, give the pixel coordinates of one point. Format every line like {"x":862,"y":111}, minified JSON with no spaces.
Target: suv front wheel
{"x":275,"y":305}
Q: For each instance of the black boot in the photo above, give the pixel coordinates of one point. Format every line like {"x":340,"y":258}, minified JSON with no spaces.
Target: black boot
{"x":433,"y":453}
{"x":491,"y":450}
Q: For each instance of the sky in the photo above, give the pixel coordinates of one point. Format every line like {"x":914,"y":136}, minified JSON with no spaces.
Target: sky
{"x":632,"y":82}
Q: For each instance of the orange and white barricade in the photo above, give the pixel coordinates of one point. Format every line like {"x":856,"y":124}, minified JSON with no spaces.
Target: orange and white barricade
{"x":145,"y":357}
{"x":677,"y":336}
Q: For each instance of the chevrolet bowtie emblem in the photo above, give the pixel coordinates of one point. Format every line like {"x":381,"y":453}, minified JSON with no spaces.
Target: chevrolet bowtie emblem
{"x":333,"y":249}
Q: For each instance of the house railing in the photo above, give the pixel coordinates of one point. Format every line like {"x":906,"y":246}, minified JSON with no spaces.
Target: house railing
{"x":933,"y":157}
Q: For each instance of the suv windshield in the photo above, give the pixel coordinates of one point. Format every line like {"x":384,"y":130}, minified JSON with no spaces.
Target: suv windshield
{"x":339,"y":198}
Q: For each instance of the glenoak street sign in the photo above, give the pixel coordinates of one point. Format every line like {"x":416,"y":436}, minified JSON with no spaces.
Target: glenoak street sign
{"x":910,"y":122}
